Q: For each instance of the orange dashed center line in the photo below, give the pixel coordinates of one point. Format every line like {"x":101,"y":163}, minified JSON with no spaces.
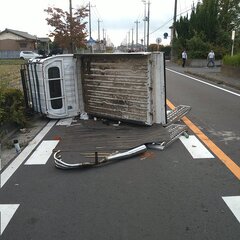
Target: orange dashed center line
{"x":230,"y":164}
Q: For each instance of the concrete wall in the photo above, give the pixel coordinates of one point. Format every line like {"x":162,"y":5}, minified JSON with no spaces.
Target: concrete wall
{"x":201,"y":62}
{"x":231,"y":71}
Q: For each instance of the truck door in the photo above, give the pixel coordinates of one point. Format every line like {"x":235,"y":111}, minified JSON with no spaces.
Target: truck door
{"x":55,"y":90}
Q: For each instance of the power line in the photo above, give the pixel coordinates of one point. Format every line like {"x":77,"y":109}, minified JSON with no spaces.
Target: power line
{"x":98,"y":14}
{"x":169,"y":21}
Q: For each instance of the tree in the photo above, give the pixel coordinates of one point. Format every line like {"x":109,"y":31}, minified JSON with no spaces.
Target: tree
{"x":210,"y":26}
{"x":229,"y":20}
{"x":204,"y":20}
{"x":229,"y":15}
{"x":182,"y":30}
{"x":69,"y":31}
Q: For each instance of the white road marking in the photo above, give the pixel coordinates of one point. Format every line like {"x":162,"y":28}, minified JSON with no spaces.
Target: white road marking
{"x":233,"y":202}
{"x":9,"y":171}
{"x":64,"y":122}
{"x":6,"y":213}
{"x":42,"y":153}
{"x":198,"y":80}
{"x":195,"y":147}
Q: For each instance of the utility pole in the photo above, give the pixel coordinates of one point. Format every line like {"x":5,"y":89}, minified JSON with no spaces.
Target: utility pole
{"x":174,"y":30}
{"x":99,"y":38}
{"x":137,"y":22}
{"x":132,"y":39}
{"x":90,"y":24}
{"x":148,"y":23}
{"x":174,"y":20}
{"x":104,"y":39}
{"x":129,"y":39}
{"x":90,"y":27}
{"x":144,"y":21}
{"x":71,"y":26}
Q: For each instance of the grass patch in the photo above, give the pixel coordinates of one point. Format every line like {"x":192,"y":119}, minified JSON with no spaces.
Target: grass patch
{"x":10,"y":73}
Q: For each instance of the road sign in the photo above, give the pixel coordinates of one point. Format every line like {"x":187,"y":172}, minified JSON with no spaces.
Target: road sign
{"x":165,"y":35}
{"x":158,"y":40}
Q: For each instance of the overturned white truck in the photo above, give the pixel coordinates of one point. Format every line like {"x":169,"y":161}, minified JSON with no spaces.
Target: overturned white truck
{"x":127,"y":87}
{"x":120,"y":86}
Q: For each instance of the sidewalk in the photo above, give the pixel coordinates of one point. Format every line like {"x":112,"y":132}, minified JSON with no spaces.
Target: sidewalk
{"x":212,"y":74}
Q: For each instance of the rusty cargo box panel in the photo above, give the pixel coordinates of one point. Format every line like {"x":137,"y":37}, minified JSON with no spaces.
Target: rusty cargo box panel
{"x":118,"y":86}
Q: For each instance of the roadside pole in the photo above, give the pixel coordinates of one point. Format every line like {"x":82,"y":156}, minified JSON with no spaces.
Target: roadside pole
{"x":158,"y":41}
{"x":0,"y":158}
{"x":233,"y":38}
{"x":174,"y":31}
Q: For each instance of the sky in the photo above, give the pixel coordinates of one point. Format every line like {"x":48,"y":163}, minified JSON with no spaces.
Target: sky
{"x":117,"y":18}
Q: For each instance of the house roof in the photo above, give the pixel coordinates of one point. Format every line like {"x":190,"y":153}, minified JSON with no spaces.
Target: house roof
{"x":25,"y":35}
{"x":19,"y":33}
{"x":44,"y":39}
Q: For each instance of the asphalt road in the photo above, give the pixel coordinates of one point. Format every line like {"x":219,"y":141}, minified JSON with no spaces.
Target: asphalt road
{"x":213,"y":109}
{"x":161,"y":195}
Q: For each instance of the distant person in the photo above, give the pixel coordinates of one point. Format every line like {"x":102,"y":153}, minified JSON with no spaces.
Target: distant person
{"x":211,"y":58}
{"x":184,"y":58}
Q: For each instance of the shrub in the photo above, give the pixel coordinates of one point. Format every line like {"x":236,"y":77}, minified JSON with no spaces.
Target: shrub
{"x":197,"y":48}
{"x":232,"y":60}
{"x":1,"y":104}
{"x":12,"y":106}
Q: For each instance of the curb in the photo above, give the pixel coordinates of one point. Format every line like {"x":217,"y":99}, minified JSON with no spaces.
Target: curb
{"x":215,"y":80}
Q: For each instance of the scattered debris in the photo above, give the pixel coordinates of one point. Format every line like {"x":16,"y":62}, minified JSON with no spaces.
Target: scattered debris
{"x":174,"y":131}
{"x":177,"y":113}
{"x":59,"y":163}
{"x":84,"y":116}
{"x":113,"y":157}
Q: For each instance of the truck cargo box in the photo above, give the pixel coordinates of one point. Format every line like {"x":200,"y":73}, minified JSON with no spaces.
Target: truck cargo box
{"x":122,"y":86}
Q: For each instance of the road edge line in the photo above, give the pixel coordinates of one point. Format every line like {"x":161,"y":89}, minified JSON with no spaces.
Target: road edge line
{"x":206,"y":83}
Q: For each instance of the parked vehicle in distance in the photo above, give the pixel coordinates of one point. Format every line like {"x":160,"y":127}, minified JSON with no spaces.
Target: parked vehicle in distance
{"x":28,"y":55}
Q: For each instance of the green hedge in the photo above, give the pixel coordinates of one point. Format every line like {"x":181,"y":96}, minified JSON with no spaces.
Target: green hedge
{"x":12,"y":109}
{"x":232,"y":60}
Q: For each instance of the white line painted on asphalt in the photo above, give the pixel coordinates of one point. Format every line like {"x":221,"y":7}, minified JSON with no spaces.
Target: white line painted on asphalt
{"x":233,"y":202}
{"x":9,"y":171}
{"x":195,"y":147}
{"x":6,"y":213}
{"x":42,"y":153}
{"x":198,"y":80}
{"x":64,"y":122}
